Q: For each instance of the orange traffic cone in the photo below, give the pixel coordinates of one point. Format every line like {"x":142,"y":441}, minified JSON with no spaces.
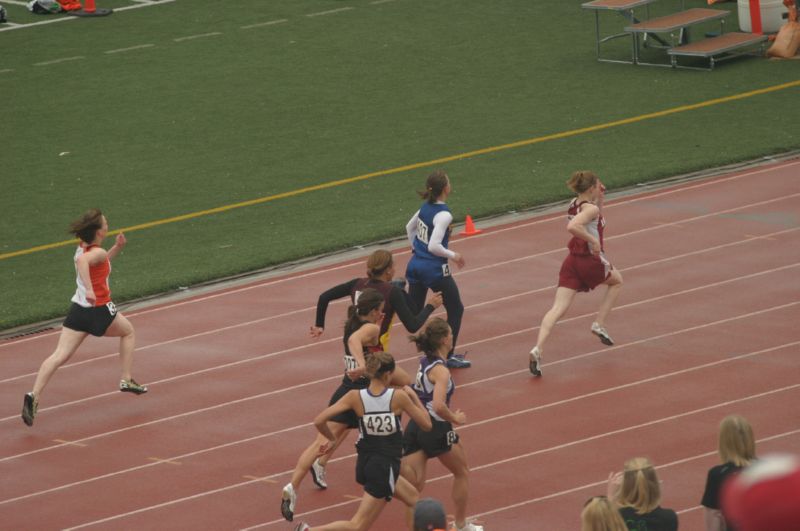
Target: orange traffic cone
{"x":90,"y":10}
{"x":469,"y":228}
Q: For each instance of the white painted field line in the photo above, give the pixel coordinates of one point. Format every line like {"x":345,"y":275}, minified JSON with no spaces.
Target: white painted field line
{"x":16,"y":3}
{"x":270,"y":283}
{"x":62,"y":60}
{"x":66,"y":18}
{"x":466,"y":427}
{"x":6,"y":70}
{"x":330,"y":12}
{"x":130,"y":48}
{"x":376,"y":2}
{"x":268,"y":23}
{"x":198,"y":36}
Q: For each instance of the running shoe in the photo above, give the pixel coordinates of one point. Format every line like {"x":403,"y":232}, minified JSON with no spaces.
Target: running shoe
{"x":602,"y":333}
{"x":288,"y":501}
{"x":318,"y":474}
{"x":130,"y":386}
{"x":469,"y":526}
{"x":302,"y":526}
{"x":29,"y":406}
{"x":457,"y":361}
{"x":535,"y":363}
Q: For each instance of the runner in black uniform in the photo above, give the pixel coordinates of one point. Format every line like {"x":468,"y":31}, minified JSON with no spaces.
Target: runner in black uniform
{"x":360,"y":340}
{"x":380,"y":271}
{"x":380,"y":442}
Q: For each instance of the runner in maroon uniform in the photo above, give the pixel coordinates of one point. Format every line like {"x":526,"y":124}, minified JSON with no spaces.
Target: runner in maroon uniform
{"x":380,"y":271}
{"x":586,"y":266}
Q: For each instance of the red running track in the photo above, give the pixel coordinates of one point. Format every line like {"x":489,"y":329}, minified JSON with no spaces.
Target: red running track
{"x":705,"y":327}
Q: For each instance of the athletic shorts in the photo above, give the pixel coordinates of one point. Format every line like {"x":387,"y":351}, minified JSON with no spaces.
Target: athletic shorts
{"x":349,"y":417}
{"x":436,"y":442}
{"x":378,"y":474}
{"x":584,"y":272}
{"x":93,"y":320}
{"x":426,"y":272}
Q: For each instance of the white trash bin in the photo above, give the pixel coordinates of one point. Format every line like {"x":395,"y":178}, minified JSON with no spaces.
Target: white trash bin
{"x":773,"y":15}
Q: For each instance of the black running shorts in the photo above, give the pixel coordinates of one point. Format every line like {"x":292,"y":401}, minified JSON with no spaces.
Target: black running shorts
{"x":378,"y":473}
{"x":93,"y":320}
{"x":435,"y":442}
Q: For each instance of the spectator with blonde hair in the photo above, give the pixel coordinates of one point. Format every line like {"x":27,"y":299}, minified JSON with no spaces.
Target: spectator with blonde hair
{"x":637,"y":493}
{"x":599,"y":514}
{"x":737,"y":449}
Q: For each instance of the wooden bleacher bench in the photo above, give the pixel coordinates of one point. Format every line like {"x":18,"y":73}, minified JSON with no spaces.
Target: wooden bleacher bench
{"x":676,"y":26}
{"x":622,"y":7}
{"x":722,"y":47}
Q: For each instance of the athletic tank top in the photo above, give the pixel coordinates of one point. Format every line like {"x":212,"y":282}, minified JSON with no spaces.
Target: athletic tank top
{"x":425,"y":229}
{"x":98,"y":274}
{"x":350,"y":362}
{"x":595,"y":228}
{"x":379,"y":429}
{"x":385,"y":289}
{"x":424,"y":386}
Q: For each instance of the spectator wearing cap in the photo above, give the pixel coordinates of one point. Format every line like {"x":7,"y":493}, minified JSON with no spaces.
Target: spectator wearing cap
{"x":765,"y":496}
{"x":737,"y":449}
{"x":429,"y":515}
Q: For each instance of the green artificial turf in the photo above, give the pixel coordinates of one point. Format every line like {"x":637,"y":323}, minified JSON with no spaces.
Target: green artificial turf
{"x":194,"y":110}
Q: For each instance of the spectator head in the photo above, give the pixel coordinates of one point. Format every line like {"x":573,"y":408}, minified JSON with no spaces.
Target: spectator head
{"x":429,"y":515}
{"x":640,"y":488}
{"x":599,"y":514}
{"x":765,"y":496}
{"x":736,"y":442}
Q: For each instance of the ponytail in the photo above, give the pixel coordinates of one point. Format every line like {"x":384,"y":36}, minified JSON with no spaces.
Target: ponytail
{"x":430,"y":339}
{"x":368,"y":300}
{"x":434,"y":186}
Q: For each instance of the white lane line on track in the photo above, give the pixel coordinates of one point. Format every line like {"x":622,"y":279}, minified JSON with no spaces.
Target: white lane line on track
{"x":508,"y":334}
{"x":359,"y":263}
{"x":475,"y":305}
{"x":473,"y":469}
{"x":129,"y":48}
{"x":468,"y":426}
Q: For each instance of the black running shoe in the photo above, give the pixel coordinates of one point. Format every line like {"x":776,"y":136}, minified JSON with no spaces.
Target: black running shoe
{"x":29,"y":406}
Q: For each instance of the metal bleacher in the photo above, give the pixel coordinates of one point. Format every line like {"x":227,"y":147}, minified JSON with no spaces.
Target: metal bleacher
{"x":671,"y":34}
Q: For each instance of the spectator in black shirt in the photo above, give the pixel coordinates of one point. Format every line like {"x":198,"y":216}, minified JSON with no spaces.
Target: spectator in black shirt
{"x":737,"y":449}
{"x":637,"y":493}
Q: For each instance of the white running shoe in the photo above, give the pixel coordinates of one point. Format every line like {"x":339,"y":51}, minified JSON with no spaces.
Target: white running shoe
{"x":318,"y":474}
{"x":288,"y":501}
{"x":602,"y":333}
{"x":302,"y":526}
{"x":469,"y":526}
{"x":535,"y":364}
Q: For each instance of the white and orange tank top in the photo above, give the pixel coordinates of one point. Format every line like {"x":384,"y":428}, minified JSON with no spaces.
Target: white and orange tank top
{"x":98,"y":274}
{"x":595,"y":228}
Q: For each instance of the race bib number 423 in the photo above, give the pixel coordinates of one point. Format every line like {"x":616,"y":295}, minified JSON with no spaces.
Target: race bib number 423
{"x":380,"y":423}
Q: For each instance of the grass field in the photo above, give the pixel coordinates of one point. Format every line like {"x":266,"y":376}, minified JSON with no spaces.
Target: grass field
{"x":178,"y":108}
